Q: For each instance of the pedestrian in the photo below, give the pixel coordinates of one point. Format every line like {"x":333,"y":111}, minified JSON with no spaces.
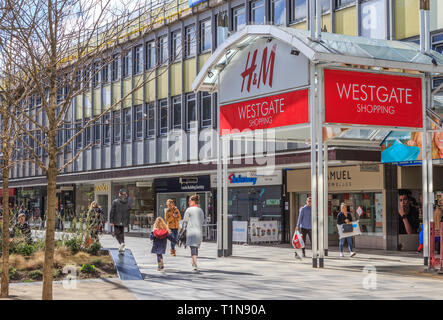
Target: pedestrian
{"x":193,"y":222}
{"x":60,"y":218}
{"x":22,"y":229}
{"x":344,"y":217}
{"x":304,"y":223}
{"x":438,"y":215}
{"x":119,"y":217}
{"x":172,"y":217}
{"x":159,"y":235}
{"x":95,"y":220}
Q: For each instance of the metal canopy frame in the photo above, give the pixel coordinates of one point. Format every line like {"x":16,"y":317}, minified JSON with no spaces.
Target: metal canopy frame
{"x":318,"y":61}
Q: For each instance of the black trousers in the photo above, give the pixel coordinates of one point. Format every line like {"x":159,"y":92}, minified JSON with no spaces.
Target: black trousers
{"x":119,"y":232}
{"x":305,"y":233}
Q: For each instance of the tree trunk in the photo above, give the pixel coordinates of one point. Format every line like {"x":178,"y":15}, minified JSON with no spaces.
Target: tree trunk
{"x":5,"y":246}
{"x":50,"y":228}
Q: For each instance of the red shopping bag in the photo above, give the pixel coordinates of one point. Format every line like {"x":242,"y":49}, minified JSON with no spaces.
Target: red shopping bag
{"x":297,"y":240}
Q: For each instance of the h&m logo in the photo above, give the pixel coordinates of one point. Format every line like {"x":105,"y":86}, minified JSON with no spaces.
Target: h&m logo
{"x":266,"y":69}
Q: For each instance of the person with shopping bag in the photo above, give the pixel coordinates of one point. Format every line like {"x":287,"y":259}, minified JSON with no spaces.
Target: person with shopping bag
{"x":172,"y":218}
{"x":344,"y":219}
{"x":304,"y":223}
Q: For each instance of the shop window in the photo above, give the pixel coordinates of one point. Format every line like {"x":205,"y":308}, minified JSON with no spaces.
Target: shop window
{"x":298,"y":9}
{"x":206,"y":114}
{"x":163,"y":49}
{"x":163,"y":117}
{"x":127,"y":124}
{"x":115,"y":67}
{"x":150,"y":121}
{"x":190,"y":41}
{"x":278,"y":12}
{"x":116,"y":119}
{"x":138,"y":110}
{"x":176,"y":43}
{"x":342,"y":3}
{"x":191,"y":115}
{"x":176,"y":112}
{"x":138,"y":59}
{"x":258,"y":12}
{"x":106,"y":129}
{"x":222,"y":27}
{"x":238,"y":18}
{"x":205,"y":35}
{"x":150,"y":55}
{"x":127,"y":61}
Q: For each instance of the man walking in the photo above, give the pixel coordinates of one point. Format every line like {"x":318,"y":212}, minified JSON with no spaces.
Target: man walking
{"x":119,"y":217}
{"x":304,"y":222}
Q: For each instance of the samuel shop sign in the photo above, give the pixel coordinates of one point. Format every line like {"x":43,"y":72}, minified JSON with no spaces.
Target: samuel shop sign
{"x":365,"y":98}
{"x":264,"y":86}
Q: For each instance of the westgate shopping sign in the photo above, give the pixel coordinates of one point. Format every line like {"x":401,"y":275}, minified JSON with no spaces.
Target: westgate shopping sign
{"x":365,"y":98}
{"x":264,"y":86}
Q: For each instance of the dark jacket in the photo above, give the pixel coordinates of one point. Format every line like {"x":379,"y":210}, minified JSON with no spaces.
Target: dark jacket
{"x":119,"y":215}
{"x":160,"y":240}
{"x":23,"y":230}
{"x":341,"y":218}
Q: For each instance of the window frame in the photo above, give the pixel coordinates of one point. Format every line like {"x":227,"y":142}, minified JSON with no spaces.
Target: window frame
{"x":138,"y":59}
{"x":205,"y":123}
{"x":203,"y":30}
{"x":190,"y":44}
{"x":163,"y":50}
{"x":188,"y":99}
{"x":116,"y":126}
{"x":150,"y":130}
{"x":292,"y":19}
{"x":176,"y":101}
{"x":150,"y":54}
{"x":175,"y":49}
{"x":127,"y":122}
{"x":163,"y":107}
{"x":127,"y":64}
{"x":233,"y":15}
{"x":116,"y":67}
{"x":251,"y":10}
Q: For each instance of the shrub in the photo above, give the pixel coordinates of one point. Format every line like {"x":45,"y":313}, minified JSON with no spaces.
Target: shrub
{"x":23,"y":249}
{"x":13,"y":273}
{"x":74,"y":244}
{"x":94,"y":248}
{"x":35,"y":274}
{"x":88,"y":268}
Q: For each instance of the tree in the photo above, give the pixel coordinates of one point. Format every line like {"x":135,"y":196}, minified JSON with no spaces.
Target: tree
{"x":65,"y":45}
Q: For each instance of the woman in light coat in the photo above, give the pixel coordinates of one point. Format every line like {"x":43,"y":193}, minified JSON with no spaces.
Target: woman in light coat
{"x":193,"y":222}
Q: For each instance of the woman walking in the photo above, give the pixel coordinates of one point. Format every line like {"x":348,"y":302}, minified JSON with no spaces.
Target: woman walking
{"x":160,"y":236}
{"x":172,"y":217}
{"x":95,"y":220}
{"x":344,"y":217}
{"x":193,"y":222}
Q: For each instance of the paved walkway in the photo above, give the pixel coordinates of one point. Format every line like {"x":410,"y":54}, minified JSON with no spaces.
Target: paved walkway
{"x":259,"y":272}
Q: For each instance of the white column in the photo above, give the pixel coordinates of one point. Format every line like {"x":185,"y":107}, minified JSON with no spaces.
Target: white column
{"x":427,"y":35}
{"x":320,"y":210}
{"x":225,"y":193}
{"x":426,"y":91}
{"x":422,"y":30}
{"x":325,"y":199}
{"x":312,"y":18}
{"x":219,"y":197}
{"x":313,"y":127}
{"x":318,"y":19}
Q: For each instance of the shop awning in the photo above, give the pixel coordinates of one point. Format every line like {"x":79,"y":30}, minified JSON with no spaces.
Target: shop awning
{"x":331,"y":48}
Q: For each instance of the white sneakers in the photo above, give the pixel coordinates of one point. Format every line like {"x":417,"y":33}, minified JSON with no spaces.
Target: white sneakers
{"x":194,"y":267}
{"x":341,"y":254}
{"x":122,"y":248}
{"x":352,"y":254}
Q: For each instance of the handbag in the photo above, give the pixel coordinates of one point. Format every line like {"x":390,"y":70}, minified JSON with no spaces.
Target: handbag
{"x":181,"y":239}
{"x":347,"y":228}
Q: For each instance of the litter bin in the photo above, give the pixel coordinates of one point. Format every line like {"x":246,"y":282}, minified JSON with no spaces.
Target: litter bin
{"x":228,"y":251}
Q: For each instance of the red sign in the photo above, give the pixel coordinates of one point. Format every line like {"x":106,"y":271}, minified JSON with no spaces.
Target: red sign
{"x":279,"y":110}
{"x":12,"y":192}
{"x":365,"y":98}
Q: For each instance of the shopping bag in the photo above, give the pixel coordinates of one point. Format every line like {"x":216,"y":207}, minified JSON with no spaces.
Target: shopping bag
{"x":297,"y":240}
{"x":355,"y":230}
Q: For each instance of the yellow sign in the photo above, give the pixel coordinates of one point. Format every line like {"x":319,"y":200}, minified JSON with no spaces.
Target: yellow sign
{"x":101,"y":188}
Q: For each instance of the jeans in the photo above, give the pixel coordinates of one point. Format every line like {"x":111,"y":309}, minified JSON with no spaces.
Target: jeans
{"x":305,"y":233}
{"x":348,"y":240}
{"x":119,"y":232}
{"x":159,"y":258}
{"x":174,"y":234}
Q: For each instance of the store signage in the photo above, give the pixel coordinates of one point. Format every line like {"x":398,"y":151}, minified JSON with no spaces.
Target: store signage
{"x":364,"y":98}
{"x":183,"y":184}
{"x":263,"y":68}
{"x":359,"y":211}
{"x":239,"y":231}
{"x":143,"y":184}
{"x":101,"y":188}
{"x":11,"y":192}
{"x":274,"y":111}
{"x":241,"y":179}
{"x":264,"y":231}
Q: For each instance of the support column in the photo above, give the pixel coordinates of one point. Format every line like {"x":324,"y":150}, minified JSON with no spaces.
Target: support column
{"x":326,"y":200}
{"x":426,"y":91}
{"x":225,"y":142}
{"x":320,"y":173}
{"x":219,"y":198}
{"x":313,"y":127}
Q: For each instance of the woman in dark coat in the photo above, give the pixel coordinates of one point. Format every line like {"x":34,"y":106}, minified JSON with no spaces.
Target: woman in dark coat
{"x":160,"y":236}
{"x":344,"y":217}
